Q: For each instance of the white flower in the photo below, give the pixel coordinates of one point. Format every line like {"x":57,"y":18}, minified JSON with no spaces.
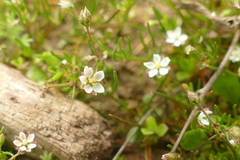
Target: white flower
{"x":235,"y":55}
{"x":158,"y":66}
{"x":202,"y":119}
{"x":176,"y":37}
{"x":67,"y":4}
{"x":24,"y":142}
{"x":232,"y":142}
{"x":90,"y":81}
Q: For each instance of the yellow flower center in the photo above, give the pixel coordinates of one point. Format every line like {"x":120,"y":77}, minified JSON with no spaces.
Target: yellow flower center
{"x":91,"y":81}
{"x":24,"y":142}
{"x":158,"y":66}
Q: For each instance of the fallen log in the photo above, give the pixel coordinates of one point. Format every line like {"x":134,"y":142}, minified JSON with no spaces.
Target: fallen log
{"x":80,"y":134}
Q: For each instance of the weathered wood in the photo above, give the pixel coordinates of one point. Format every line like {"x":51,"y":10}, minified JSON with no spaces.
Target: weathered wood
{"x":80,"y":134}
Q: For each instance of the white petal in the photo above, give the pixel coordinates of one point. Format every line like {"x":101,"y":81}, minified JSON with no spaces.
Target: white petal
{"x":28,"y":150}
{"x":183,"y":37}
{"x":98,"y":76}
{"x":88,"y":71}
{"x":23,"y":148}
{"x":163,"y":71}
{"x":165,"y":62}
{"x":177,"y":43}
{"x":149,"y":65}
{"x":170,"y":40}
{"x":30,"y":138}
{"x":88,"y":88}
{"x":178,"y":31}
{"x":83,"y":79}
{"x":17,"y":143}
{"x":22,"y":136}
{"x":153,"y":72}
{"x":97,"y":87}
{"x":156,"y":58}
{"x":32,"y":145}
{"x":171,"y":34}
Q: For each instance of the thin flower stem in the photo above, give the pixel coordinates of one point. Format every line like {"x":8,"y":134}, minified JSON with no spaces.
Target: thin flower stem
{"x":13,"y":157}
{"x":206,"y":88}
{"x":91,"y":41}
{"x":231,"y":147}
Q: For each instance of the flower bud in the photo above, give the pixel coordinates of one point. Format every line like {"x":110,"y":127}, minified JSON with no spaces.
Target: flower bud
{"x":235,"y":3}
{"x":85,"y":17}
{"x":2,"y":139}
{"x":235,"y":132}
{"x":66,"y":4}
{"x":170,"y":156}
{"x":193,"y":97}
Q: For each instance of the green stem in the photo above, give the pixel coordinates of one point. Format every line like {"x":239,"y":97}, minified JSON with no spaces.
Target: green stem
{"x":231,"y":147}
{"x":59,"y":85}
{"x":13,"y":157}
{"x":91,"y":41}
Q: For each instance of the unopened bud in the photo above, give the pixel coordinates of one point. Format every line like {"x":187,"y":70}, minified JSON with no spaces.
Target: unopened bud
{"x":193,"y":97}
{"x":2,"y":139}
{"x":235,"y":132}
{"x":66,"y":4}
{"x":189,"y":49}
{"x":235,"y":3}
{"x":170,"y":156}
{"x":85,"y":17}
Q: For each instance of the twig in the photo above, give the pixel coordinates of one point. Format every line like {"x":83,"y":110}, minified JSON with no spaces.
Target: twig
{"x":135,"y":130}
{"x":206,"y":88}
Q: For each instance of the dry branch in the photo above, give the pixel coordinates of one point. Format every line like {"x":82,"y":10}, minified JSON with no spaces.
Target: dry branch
{"x":75,"y":135}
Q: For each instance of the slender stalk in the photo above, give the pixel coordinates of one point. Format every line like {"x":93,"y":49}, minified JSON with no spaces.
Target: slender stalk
{"x":206,"y":88}
{"x":91,"y":41}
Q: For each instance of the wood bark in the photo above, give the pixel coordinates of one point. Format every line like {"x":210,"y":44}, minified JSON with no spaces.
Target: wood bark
{"x":80,"y":134}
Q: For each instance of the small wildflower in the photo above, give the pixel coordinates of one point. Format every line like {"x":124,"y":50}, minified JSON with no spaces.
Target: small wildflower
{"x":202,"y":119}
{"x":235,"y":55}
{"x":64,"y":62}
{"x":66,"y":4}
{"x":176,"y":37}
{"x":232,"y":142}
{"x":159,"y":66}
{"x":85,"y":17}
{"x":25,"y":142}
{"x":90,"y":81}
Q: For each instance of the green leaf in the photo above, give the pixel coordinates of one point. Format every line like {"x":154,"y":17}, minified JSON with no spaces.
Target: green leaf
{"x":183,"y":75}
{"x":50,"y":59}
{"x":227,"y":86}
{"x":56,"y":76}
{"x":193,"y":139}
{"x":37,"y":74}
{"x":161,"y":130}
{"x":147,"y":131}
{"x":137,"y":136}
{"x":151,"y":123}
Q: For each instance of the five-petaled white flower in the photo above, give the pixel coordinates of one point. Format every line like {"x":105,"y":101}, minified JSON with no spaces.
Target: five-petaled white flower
{"x":90,"y":81}
{"x":25,"y":142}
{"x":176,"y":37}
{"x":235,"y":55}
{"x":67,"y":4}
{"x":159,"y":66}
{"x":202,"y":119}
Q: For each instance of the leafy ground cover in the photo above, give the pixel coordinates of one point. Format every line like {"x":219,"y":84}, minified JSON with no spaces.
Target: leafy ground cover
{"x":164,"y":73}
